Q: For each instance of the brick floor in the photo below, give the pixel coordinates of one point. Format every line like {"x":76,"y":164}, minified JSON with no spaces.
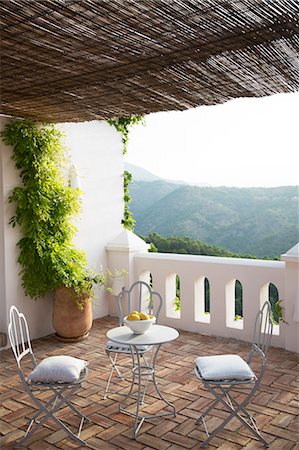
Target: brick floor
{"x":275,"y":406}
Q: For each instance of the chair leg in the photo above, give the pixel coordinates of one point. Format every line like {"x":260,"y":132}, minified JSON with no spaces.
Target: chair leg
{"x":108,"y":384}
{"x":113,"y":367}
{"x":206,"y":412}
{"x":70,"y":405}
{"x":234,"y":412}
{"x":55,"y":403}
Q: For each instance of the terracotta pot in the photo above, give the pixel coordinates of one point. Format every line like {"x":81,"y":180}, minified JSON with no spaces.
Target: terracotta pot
{"x":70,"y":323}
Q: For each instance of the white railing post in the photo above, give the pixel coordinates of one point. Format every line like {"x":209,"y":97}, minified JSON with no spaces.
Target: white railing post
{"x":120,"y":256}
{"x":159,"y":285}
{"x":187,"y":300}
{"x":218,"y":306}
{"x":291,"y":299}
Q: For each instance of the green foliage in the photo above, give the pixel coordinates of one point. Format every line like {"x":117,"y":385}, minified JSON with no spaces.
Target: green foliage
{"x":45,"y":206}
{"x":238,"y":300}
{"x":187,"y":246}
{"x":123,"y":124}
{"x":128,"y":220}
{"x":249,"y":221}
{"x":177,"y":300}
{"x":277,"y":312}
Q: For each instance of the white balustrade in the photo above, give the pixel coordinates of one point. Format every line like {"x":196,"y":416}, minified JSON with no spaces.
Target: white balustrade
{"x":130,"y":253}
{"x":254,"y":276}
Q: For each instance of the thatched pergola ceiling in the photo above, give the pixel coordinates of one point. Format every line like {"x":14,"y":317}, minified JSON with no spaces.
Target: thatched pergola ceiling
{"x":75,"y":60}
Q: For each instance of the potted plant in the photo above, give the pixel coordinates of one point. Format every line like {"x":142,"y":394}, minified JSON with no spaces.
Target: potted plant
{"x":45,"y":209}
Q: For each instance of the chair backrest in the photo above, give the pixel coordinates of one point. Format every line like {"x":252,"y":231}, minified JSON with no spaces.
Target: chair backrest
{"x":142,"y":297}
{"x":263,"y":329}
{"x":18,"y":333}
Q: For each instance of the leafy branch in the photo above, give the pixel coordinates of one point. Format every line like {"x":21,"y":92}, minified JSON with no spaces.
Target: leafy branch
{"x":123,"y":125}
{"x":45,"y":207}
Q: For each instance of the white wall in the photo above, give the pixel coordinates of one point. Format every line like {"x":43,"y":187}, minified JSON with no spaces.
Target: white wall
{"x":96,"y":150}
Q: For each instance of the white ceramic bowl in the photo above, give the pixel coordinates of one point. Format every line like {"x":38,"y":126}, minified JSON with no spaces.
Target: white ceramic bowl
{"x":139,"y":326}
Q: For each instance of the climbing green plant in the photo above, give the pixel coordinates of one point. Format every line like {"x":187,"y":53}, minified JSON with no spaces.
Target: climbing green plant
{"x":45,"y":208}
{"x":123,"y":125}
{"x":128,"y":221}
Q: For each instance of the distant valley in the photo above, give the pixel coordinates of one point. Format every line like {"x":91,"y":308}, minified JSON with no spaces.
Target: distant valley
{"x":259,"y":221}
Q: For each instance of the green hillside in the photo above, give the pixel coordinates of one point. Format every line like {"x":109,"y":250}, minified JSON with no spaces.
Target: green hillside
{"x":257,"y":221}
{"x":187,"y":246}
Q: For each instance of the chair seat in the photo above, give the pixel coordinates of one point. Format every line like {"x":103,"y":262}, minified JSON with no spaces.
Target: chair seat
{"x":121,"y":348}
{"x":224,"y":367}
{"x":58,"y":369}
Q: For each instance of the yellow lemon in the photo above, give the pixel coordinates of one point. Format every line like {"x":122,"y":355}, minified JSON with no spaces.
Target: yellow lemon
{"x":133,"y":317}
{"x":143,"y":316}
{"x":134,"y":312}
{"x":151,"y":316}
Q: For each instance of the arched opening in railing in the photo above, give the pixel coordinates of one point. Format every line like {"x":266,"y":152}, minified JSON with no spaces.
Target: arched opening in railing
{"x":270,"y":292}
{"x":173,"y":300}
{"x":202,"y":300}
{"x":147,"y":277}
{"x":234,"y":304}
{"x":238,"y":300}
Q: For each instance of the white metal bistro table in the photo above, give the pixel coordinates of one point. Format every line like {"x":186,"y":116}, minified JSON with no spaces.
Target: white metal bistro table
{"x":155,"y":336}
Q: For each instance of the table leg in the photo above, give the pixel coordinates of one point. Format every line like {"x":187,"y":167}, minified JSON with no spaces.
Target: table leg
{"x":144,"y":370}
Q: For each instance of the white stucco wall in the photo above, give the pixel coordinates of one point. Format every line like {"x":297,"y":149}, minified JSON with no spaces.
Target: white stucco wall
{"x":96,"y":150}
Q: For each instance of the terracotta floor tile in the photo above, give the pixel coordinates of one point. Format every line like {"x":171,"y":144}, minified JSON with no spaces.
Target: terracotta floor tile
{"x":275,"y":406}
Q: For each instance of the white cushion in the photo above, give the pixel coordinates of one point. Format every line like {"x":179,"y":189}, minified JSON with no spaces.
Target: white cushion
{"x":123,"y":348}
{"x":224,"y":367}
{"x":58,"y":369}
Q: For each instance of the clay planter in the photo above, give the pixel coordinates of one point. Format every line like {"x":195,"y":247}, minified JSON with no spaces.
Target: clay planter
{"x":70,"y":323}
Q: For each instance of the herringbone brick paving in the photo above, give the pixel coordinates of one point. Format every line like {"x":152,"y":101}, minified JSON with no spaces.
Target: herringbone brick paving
{"x":275,"y":406}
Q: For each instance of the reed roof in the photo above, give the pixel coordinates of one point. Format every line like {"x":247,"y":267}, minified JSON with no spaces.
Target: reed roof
{"x":75,"y":60}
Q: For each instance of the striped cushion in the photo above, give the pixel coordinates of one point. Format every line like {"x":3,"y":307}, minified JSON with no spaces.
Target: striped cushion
{"x":122,"y":348}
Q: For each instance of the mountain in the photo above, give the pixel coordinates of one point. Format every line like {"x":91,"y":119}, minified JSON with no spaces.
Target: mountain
{"x":258,"y":221}
{"x":140,"y":174}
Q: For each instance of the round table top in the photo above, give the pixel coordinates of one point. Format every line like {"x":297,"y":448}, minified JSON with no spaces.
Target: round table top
{"x":157,"y":334}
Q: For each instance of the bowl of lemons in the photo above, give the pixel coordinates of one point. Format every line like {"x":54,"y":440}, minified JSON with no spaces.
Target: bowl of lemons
{"x":139,"y":322}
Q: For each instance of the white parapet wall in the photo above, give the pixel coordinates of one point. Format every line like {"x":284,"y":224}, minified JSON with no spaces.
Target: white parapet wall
{"x":221,"y":273}
{"x":291,"y":260}
{"x":96,"y":152}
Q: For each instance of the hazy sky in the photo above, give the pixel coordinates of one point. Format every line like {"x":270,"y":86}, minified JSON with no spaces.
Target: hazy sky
{"x":244,"y":142}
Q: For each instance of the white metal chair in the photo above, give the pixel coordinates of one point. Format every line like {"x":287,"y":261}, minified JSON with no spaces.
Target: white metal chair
{"x":221,"y":373}
{"x":145,"y":299}
{"x":62,"y":375}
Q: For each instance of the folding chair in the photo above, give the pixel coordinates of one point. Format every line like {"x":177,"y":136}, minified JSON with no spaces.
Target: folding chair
{"x":147,"y":300}
{"x":221,"y":373}
{"x":60,"y":375}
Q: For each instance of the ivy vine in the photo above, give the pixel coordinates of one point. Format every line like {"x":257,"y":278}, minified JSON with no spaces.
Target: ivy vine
{"x":123,"y":125}
{"x":45,"y":207}
{"x":128,"y":220}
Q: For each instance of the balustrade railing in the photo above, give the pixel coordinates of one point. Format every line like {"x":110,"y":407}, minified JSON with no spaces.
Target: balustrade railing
{"x":200,"y":292}
{"x":206,"y":301}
